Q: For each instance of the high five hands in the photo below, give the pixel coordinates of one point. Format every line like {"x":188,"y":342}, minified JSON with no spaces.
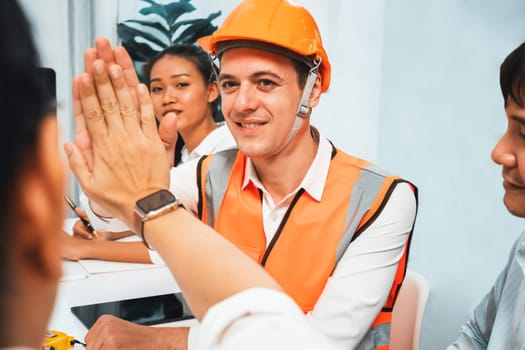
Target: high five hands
{"x":122,"y":158}
{"x":117,"y":55}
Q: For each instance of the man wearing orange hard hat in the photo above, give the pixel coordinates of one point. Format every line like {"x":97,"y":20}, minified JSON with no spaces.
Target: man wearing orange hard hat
{"x":329,"y":227}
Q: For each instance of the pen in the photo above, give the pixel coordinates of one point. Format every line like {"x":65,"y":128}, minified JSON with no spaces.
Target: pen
{"x":86,"y":223}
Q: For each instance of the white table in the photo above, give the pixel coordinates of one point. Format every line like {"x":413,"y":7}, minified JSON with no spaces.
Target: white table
{"x":103,"y":287}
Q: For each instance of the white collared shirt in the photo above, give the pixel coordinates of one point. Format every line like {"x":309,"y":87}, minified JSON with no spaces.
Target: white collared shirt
{"x":313,"y":184}
{"x":218,"y":140}
{"x":360,"y":284}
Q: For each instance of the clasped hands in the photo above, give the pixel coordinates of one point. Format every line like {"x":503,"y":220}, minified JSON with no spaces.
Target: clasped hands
{"x":118,"y":155}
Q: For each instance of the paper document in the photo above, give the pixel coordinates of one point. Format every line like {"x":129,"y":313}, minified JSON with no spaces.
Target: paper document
{"x":72,"y":270}
{"x":100,"y":266}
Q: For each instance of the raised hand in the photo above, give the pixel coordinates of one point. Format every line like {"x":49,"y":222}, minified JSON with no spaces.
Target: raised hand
{"x":129,"y":159}
{"x":110,"y":56}
{"x":119,"y":56}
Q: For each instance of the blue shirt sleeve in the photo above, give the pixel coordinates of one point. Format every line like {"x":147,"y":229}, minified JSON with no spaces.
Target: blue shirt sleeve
{"x":476,"y":332}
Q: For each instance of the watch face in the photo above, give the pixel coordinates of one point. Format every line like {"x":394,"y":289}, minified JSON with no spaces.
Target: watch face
{"x":155,"y":201}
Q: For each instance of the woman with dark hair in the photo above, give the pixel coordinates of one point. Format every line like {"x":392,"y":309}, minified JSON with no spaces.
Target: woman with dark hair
{"x":181,"y":80}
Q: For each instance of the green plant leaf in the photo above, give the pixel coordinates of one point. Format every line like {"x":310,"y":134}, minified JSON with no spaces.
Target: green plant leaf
{"x":169,"y":12}
{"x":190,"y":22}
{"x":155,"y":8}
{"x":155,"y":25}
{"x":139,"y":51}
{"x":177,"y":9}
{"x":143,"y":43}
{"x":128,"y":33}
{"x":196,"y":29}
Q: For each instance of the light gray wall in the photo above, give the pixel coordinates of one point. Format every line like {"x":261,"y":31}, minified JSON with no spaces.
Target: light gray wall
{"x":51,"y":34}
{"x":441,"y":114}
{"x":62,"y":29}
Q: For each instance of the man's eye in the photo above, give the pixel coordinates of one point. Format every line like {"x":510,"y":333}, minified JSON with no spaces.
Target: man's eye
{"x":266,"y":83}
{"x":227,"y":85}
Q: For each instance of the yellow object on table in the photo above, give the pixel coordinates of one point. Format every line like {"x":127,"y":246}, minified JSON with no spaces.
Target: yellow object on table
{"x":56,"y":340}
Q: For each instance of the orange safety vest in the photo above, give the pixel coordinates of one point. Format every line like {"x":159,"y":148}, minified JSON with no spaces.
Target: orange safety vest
{"x":312,"y":236}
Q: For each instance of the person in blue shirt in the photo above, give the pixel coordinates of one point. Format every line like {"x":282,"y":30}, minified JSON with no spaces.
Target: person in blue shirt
{"x":498,"y":322}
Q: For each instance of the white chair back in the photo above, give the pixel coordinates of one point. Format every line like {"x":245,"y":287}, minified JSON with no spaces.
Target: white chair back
{"x":407,"y":315}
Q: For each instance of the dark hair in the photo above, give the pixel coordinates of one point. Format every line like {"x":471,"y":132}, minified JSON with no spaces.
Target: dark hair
{"x":512,"y":76}
{"x":23,"y":103}
{"x":302,"y":72}
{"x":204,"y":65}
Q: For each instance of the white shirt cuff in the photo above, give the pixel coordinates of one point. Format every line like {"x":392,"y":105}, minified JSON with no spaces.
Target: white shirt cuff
{"x":106,"y":224}
{"x":156,"y":258}
{"x":258,"y":318}
{"x":193,"y":337}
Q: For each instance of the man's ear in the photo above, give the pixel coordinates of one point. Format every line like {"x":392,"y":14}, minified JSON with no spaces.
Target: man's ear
{"x":213,"y":92}
{"x":40,"y":210}
{"x":315,"y":95}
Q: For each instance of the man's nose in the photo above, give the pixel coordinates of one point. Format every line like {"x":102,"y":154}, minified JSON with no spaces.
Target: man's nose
{"x":502,"y":153}
{"x":245,"y":100}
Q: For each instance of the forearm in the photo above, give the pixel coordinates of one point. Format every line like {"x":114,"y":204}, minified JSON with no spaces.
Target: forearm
{"x":133,"y":252}
{"x":111,"y":236}
{"x":206,"y":266}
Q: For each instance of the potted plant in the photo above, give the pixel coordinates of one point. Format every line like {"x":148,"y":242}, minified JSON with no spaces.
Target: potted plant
{"x":143,"y":39}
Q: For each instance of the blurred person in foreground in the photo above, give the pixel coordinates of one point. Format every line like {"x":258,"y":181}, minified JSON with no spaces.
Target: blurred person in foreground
{"x":31,"y":187}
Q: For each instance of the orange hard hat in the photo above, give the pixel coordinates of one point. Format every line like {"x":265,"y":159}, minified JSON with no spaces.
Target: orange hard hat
{"x":282,"y":23}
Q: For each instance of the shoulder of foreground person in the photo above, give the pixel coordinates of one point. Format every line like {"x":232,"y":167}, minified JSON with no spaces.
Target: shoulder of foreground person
{"x":259,"y":318}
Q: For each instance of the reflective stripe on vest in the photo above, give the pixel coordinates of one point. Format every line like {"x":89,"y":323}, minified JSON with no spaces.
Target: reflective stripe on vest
{"x":364,"y":193}
{"x":301,"y":256}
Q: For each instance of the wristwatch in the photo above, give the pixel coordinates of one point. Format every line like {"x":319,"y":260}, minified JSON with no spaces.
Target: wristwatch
{"x":153,"y":206}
